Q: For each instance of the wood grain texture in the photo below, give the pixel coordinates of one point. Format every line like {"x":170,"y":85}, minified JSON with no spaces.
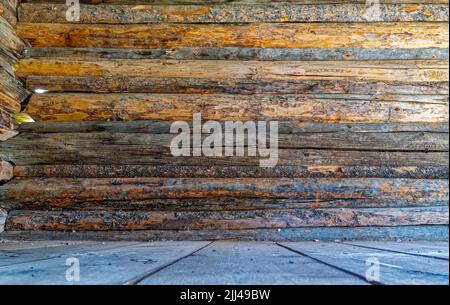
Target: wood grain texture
{"x":249,"y":77}
{"x":8,"y":38}
{"x":7,"y":12}
{"x":397,"y":268}
{"x":284,"y":127}
{"x":101,"y":220}
{"x":304,"y":108}
{"x":6,"y":171}
{"x":284,"y":12}
{"x":63,"y":191}
{"x":310,"y":35}
{"x":197,"y":2}
{"x":237,"y":53}
{"x":13,"y":88}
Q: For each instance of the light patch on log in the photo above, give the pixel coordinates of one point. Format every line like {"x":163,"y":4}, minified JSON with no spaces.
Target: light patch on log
{"x":6,"y":171}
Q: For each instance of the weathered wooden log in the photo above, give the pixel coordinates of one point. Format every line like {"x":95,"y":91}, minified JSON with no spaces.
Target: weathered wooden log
{"x":8,"y":12}
{"x":6,"y":119}
{"x":63,"y":191}
{"x":6,"y":171}
{"x":160,"y":143}
{"x":422,"y":232}
{"x":13,"y":88}
{"x":101,"y":220}
{"x":169,"y":171}
{"x":8,"y":38}
{"x":234,"y":86}
{"x":235,"y":53}
{"x":9,"y":104}
{"x":288,"y":157}
{"x":303,"y":35}
{"x":198,"y":2}
{"x":303,"y":108}
{"x":409,"y":77}
{"x":238,"y":13}
{"x":284,"y":127}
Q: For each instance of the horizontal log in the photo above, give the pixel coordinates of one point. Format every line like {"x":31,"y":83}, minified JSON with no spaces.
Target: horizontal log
{"x":6,"y":171}
{"x":284,"y":127}
{"x":240,"y":86}
{"x":301,"y":35}
{"x":197,"y":2}
{"x":249,"y":77}
{"x":288,"y":157}
{"x":304,"y":108}
{"x":100,"y":220}
{"x":422,"y":232}
{"x":169,"y":171}
{"x":63,"y":143}
{"x":298,"y":149}
{"x":237,"y":13}
{"x":8,"y":38}
{"x":234,"y":53}
{"x":64,"y":191}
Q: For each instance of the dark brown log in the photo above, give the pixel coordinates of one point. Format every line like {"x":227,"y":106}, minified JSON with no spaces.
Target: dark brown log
{"x":62,"y":192}
{"x":61,"y":143}
{"x":304,"y":108}
{"x":100,"y":220}
{"x":301,"y":35}
{"x":238,"y":13}
{"x":130,"y":171}
{"x":284,"y":127}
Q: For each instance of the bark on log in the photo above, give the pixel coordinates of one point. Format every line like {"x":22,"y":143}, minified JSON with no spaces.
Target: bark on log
{"x":238,"y":13}
{"x":60,"y":191}
{"x":170,"y":171}
{"x":100,"y":221}
{"x":6,"y":171}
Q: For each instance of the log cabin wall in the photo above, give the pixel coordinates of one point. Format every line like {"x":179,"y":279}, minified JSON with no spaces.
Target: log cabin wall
{"x":361,"y":100}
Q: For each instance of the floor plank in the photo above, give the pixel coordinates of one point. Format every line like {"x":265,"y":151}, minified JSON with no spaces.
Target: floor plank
{"x":395,"y":268}
{"x":437,"y":250}
{"x":113,"y":266}
{"x":24,"y":256}
{"x":248,"y":263}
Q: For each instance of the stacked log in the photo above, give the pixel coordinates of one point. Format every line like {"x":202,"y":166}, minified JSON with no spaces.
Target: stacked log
{"x":362,"y":106}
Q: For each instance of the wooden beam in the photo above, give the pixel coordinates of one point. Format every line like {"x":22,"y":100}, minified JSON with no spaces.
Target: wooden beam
{"x":422,"y":232}
{"x":121,"y":220}
{"x":303,"y":35}
{"x":284,"y":127}
{"x":65,"y":191}
{"x":171,"y":171}
{"x":411,"y":77}
{"x":8,"y":38}
{"x":237,"y":13}
{"x":304,"y":108}
{"x":238,"y":53}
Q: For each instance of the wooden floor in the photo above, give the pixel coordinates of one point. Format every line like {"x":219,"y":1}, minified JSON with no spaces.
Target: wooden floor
{"x":49,"y":262}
